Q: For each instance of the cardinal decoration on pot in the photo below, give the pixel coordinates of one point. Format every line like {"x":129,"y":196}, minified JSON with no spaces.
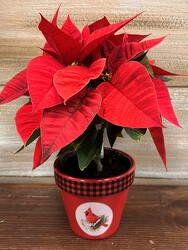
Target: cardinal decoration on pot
{"x":94,"y":220}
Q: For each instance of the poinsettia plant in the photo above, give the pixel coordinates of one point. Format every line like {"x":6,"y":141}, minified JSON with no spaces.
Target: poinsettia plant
{"x":86,"y":82}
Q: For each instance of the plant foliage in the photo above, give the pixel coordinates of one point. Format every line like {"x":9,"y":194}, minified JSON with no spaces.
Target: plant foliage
{"x":88,"y":81}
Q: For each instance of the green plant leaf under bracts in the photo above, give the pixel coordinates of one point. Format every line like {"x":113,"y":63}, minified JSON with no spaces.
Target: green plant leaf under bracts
{"x":34,"y":136}
{"x":89,"y":148}
{"x":113,"y":132}
{"x":67,"y":148}
{"x":76,"y":143}
{"x":165,"y":78}
{"x":136,"y":133}
{"x":145,"y":62}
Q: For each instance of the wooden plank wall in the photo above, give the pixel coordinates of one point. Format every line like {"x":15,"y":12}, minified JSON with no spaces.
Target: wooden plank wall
{"x":20,"y":41}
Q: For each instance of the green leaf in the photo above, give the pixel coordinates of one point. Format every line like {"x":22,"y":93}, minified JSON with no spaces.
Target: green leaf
{"x":89,"y":148}
{"x":165,"y":78}
{"x":34,"y":136}
{"x":77,"y":143}
{"x":67,"y":148}
{"x":113,"y":132}
{"x":139,"y":57}
{"x":136,"y":133}
{"x":145,"y":62}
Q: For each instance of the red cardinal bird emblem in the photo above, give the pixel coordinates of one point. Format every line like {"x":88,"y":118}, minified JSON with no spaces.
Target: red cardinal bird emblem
{"x":95,"y":219}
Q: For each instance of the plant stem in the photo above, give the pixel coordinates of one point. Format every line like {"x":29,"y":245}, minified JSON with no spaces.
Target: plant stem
{"x":97,"y":159}
{"x":99,"y":155}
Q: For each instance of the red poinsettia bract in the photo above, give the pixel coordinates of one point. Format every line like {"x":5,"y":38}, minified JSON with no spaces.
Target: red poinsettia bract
{"x":85,"y":78}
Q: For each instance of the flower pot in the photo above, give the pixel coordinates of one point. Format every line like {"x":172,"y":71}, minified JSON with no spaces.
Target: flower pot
{"x":94,"y":206}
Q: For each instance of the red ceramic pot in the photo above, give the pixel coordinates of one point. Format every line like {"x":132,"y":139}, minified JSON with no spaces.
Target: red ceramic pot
{"x":94,"y":206}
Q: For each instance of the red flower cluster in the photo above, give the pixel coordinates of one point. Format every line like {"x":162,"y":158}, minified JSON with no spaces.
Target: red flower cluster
{"x":84,"y":75}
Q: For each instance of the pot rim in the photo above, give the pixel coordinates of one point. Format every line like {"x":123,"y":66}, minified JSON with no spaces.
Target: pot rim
{"x":94,"y":180}
{"x":95,"y":187}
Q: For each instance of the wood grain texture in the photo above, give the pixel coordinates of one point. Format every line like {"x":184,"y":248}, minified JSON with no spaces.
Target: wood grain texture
{"x":20,"y":38}
{"x":33,"y":217}
{"x":20,"y":41}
